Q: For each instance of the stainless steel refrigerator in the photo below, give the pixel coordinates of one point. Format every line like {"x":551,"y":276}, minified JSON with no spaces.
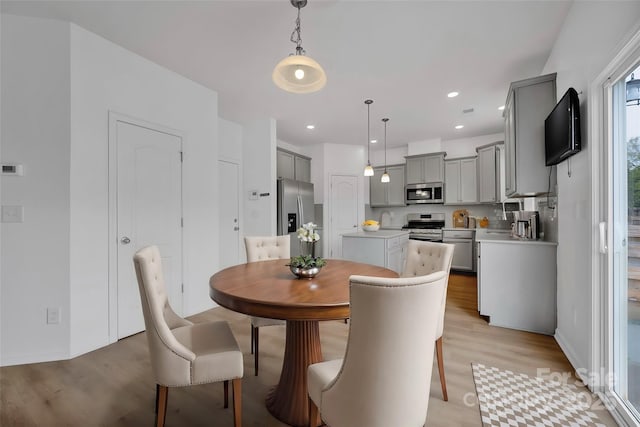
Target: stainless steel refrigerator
{"x":295,"y":207}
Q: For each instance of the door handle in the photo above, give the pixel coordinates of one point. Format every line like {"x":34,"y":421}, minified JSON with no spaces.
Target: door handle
{"x":603,"y":237}
{"x":236,"y":228}
{"x":125,"y":240}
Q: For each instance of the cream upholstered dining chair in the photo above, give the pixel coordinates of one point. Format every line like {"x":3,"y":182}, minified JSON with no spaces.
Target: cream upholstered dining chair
{"x":385,"y":377}
{"x":263,"y":248}
{"x":183,"y":353}
{"x":425,"y":258}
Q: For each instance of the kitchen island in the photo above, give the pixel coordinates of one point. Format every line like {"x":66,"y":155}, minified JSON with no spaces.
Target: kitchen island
{"x":386,"y":248}
{"x":517,"y":282}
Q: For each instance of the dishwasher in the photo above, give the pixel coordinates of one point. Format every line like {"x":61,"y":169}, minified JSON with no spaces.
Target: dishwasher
{"x":463,"y":254}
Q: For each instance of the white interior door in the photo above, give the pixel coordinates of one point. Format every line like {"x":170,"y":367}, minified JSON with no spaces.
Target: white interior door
{"x":149,"y":212}
{"x":229,"y":185}
{"x":344,"y":210}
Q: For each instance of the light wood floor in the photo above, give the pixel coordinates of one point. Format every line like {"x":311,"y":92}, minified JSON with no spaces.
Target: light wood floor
{"x":112,"y":386}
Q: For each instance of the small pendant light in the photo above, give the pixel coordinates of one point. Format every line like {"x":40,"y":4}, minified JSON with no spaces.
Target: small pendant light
{"x":385,"y":176}
{"x":368,"y":170}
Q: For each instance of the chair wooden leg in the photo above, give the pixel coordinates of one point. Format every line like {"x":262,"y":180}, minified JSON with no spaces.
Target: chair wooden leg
{"x":225,"y":385}
{"x":237,"y":402}
{"x":161,"y":404}
{"x":256,"y":342}
{"x":313,"y":414}
{"x":443,"y":382}
{"x":252,"y":337}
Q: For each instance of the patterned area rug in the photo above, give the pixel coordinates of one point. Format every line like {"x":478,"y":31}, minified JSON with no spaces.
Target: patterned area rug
{"x":510,"y":399}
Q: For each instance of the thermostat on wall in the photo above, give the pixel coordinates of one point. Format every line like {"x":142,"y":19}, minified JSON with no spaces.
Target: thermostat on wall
{"x":12,"y":169}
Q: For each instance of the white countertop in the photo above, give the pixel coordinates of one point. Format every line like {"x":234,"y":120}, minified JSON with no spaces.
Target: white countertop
{"x":380,"y":234}
{"x":457,"y":229}
{"x":502,"y":238}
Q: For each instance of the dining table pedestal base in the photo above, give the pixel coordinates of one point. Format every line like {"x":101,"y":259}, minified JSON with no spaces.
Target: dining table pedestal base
{"x":288,"y":401}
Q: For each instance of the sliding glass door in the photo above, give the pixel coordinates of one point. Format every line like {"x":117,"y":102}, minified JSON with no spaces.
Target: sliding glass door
{"x":624,"y":136}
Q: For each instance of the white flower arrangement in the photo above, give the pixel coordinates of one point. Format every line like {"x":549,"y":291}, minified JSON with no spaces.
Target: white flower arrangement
{"x":308,"y":237}
{"x":307,"y":233}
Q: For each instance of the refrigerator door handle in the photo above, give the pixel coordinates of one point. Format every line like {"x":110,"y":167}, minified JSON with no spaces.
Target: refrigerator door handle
{"x":302,"y":219}
{"x":299,"y":200}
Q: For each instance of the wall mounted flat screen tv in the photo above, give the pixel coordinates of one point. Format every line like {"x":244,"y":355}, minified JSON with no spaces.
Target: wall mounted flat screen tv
{"x":562,"y":129}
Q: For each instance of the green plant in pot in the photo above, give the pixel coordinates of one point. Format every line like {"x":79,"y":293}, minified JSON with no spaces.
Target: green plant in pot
{"x":308,"y":264}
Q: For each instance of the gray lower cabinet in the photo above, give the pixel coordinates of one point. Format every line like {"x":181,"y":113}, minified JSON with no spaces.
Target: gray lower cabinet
{"x":517,"y":284}
{"x":385,"y":248}
{"x":383,"y":194}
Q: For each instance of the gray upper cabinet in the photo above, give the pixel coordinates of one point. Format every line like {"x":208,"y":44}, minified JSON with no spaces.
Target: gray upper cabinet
{"x":460,"y":181}
{"x":529,"y":102}
{"x":491,"y":173}
{"x":425,"y":168}
{"x":293,"y":166}
{"x":303,"y":169}
{"x":387,"y":194}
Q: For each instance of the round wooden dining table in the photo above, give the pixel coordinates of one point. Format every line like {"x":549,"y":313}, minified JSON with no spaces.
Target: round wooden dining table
{"x":269,"y":289}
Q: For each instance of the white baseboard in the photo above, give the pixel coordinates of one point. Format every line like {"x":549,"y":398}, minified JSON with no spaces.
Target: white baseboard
{"x":578,"y":365}
{"x":23,"y":359}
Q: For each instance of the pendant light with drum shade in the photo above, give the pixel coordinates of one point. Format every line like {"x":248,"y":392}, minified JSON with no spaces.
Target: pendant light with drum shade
{"x":385,"y":176}
{"x":298,"y":73}
{"x":368,"y":170}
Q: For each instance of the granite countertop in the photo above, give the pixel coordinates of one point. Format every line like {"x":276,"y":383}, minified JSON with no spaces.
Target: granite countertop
{"x":380,"y":234}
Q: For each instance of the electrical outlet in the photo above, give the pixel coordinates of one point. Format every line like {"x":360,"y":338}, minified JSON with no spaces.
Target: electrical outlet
{"x":53,"y":315}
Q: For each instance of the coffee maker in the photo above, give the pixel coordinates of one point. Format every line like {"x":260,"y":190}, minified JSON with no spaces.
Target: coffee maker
{"x":526,"y":225}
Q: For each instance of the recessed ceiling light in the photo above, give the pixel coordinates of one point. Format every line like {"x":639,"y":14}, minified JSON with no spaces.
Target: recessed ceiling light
{"x":452,"y":94}
{"x":501,"y":107}
{"x":373,"y":141}
{"x":459,"y":126}
{"x":311,"y":127}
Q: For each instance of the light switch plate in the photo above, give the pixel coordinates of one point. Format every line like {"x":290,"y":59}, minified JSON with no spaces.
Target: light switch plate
{"x":12,"y":213}
{"x":53,"y":315}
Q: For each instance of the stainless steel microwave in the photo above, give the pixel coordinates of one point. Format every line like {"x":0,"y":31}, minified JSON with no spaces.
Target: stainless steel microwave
{"x":424,"y":193}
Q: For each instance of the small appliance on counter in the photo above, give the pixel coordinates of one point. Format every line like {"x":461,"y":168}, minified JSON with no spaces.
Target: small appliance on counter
{"x":460,"y":218}
{"x":526,"y":225}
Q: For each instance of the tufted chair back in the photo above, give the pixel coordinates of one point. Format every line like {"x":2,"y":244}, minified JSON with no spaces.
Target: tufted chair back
{"x":170,"y":360}
{"x":262,"y":248}
{"x":385,"y":377}
{"x":428,"y":257}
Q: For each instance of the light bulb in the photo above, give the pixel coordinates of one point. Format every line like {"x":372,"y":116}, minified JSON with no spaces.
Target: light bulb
{"x":299,"y":73}
{"x":385,"y":177}
{"x":368,"y":170}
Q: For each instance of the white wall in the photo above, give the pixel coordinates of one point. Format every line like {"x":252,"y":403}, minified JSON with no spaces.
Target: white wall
{"x":465,"y":147}
{"x":230,"y":150}
{"x":304,"y":151}
{"x":592,"y":34}
{"x":259,"y":174}
{"x":230,"y":141}
{"x":344,"y":160}
{"x":75,"y":273}
{"x":35,"y":132}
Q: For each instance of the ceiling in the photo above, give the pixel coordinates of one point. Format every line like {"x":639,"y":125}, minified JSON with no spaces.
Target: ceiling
{"x":405,"y":55}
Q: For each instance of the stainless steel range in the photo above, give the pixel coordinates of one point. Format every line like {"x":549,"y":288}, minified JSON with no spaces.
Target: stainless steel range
{"x":425,"y":226}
